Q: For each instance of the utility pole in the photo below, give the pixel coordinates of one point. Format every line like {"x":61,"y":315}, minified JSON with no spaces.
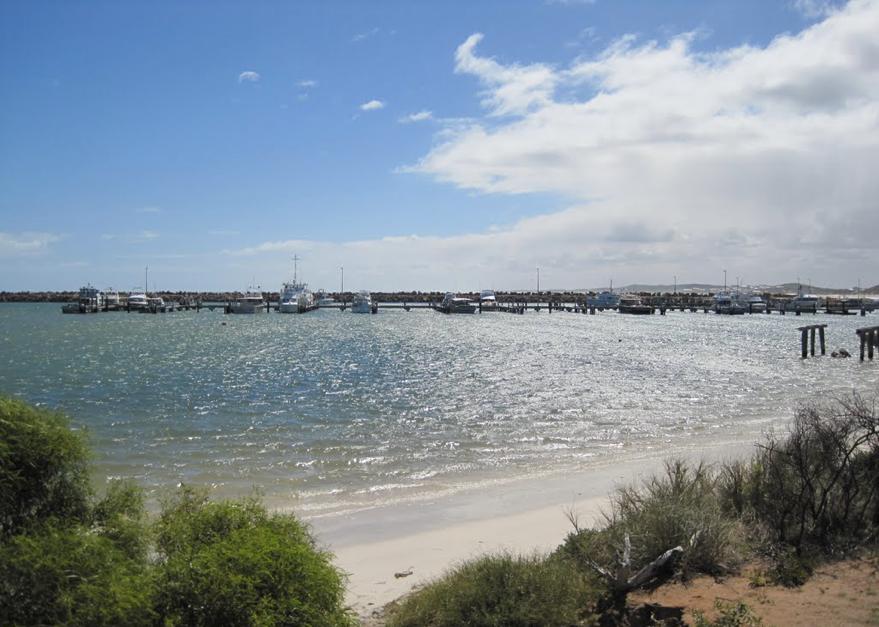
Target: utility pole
{"x":538,"y":280}
{"x":342,"y":288}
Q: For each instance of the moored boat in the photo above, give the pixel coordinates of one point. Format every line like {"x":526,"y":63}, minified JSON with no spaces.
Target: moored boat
{"x":362,"y":303}
{"x":631,"y":304}
{"x":295,"y":297}
{"x":729,"y":304}
{"x":251,"y":302}
{"x":454,"y":304}
{"x":487,"y":299}
{"x":90,"y":300}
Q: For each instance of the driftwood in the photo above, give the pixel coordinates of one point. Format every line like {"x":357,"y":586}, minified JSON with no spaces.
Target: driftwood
{"x":652,"y":575}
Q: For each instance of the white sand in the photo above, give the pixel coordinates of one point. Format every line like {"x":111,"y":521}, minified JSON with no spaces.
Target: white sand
{"x":429,"y":538}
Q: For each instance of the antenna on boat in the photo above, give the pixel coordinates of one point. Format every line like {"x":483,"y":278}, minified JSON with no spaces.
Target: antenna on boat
{"x":295,"y":260}
{"x":146,"y":283}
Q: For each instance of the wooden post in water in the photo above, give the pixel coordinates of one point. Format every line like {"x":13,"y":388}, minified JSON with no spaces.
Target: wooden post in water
{"x":807,"y":339}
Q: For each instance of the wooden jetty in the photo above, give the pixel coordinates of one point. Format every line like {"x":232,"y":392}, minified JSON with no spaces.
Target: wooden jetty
{"x":869,"y":337}
{"x":807,"y":344}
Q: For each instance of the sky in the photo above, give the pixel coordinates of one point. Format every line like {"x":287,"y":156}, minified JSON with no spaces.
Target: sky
{"x":438,"y":145}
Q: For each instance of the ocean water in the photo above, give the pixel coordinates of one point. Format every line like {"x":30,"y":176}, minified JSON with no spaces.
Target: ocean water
{"x":332,"y":412}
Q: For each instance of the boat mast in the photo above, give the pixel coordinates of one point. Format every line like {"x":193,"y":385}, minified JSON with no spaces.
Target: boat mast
{"x":295,"y":260}
{"x":146,"y":283}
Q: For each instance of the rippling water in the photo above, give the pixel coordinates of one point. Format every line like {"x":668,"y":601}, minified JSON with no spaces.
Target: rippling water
{"x":331,"y":411}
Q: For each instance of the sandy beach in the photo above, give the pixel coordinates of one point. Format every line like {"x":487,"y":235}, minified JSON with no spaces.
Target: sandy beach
{"x":390,"y":550}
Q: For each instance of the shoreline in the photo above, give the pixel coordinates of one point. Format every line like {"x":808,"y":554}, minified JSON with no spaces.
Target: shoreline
{"x":425,"y":539}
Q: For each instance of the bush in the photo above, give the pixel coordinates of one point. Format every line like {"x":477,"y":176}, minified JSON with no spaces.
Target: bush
{"x":819,"y":485}
{"x":232,"y":563}
{"x":679,"y":508}
{"x":502,"y":590}
{"x":43,"y":468}
{"x":67,"y":575}
{"x":729,"y":615}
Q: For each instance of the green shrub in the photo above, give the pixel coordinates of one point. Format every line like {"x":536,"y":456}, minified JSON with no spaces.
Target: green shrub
{"x":502,"y":590}
{"x":43,"y":468}
{"x":69,"y":575}
{"x":677,"y":508}
{"x":233,"y":563}
{"x":729,"y":615}
{"x":791,"y":570}
{"x":819,"y":485}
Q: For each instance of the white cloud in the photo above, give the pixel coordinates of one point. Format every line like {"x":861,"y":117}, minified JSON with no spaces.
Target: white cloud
{"x":307,"y":84}
{"x":147,"y":235}
{"x":510,"y":89}
{"x":372,"y":105}
{"x":365,"y":35}
{"x":249,"y":76}
{"x":148,"y":210}
{"x":815,"y":8}
{"x":776,"y":144}
{"x":417,"y":117}
{"x":27,"y":243}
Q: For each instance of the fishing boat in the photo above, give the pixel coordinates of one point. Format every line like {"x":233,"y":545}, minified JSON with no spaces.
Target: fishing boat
{"x":323,"y":299}
{"x":754,"y":304}
{"x":807,"y":303}
{"x":454,"y":304}
{"x":250,"y":302}
{"x":295,"y":296}
{"x":487,"y":299}
{"x":603,"y":300}
{"x":90,"y":300}
{"x":631,"y":304}
{"x":362,"y":303}
{"x":137,"y":300}
{"x":112,"y":299}
{"x":728,"y":303}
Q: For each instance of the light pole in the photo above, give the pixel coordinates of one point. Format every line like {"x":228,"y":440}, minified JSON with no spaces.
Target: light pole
{"x":676,"y":284}
{"x":342,"y":288}
{"x":724,"y":280}
{"x":538,"y":281}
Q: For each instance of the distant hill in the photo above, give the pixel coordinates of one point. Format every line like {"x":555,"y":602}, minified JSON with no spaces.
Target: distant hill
{"x":783,"y":288}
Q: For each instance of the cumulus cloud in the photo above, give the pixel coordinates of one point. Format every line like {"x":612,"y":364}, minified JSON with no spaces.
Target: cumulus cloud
{"x":306,"y":84}
{"x":27,"y":243}
{"x":421,"y":116}
{"x":666,"y":150}
{"x":372,"y":105}
{"x":249,"y":76}
{"x":815,"y":8}
{"x":365,"y":35}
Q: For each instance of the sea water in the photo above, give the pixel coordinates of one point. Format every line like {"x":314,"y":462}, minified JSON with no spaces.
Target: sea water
{"x":331,"y":412}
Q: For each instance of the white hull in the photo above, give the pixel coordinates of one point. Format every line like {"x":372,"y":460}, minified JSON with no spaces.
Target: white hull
{"x":361,"y":308}
{"x":246,"y":308}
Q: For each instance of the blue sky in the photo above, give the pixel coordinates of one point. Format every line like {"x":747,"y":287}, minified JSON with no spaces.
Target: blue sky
{"x":211,"y":141}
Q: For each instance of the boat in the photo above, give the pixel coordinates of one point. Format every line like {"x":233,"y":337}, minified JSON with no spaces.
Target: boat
{"x":90,"y":300}
{"x":631,"y":304}
{"x":487,"y":299}
{"x":137,"y":300}
{"x":754,"y":304}
{"x":112,"y":299}
{"x":728,"y":303}
{"x":454,"y":304}
{"x":295,"y":296}
{"x":362,"y":303}
{"x":323,"y":300}
{"x":603,"y":300}
{"x":154,"y":304}
{"x":250,"y":302}
{"x":803,"y":302}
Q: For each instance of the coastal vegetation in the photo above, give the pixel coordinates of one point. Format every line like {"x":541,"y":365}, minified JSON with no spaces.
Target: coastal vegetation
{"x":69,"y":556}
{"x":805,"y":497}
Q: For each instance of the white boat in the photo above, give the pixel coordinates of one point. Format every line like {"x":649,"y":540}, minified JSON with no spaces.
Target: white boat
{"x":90,"y":300}
{"x":487,"y":299}
{"x":323,"y":299}
{"x":453,"y":304}
{"x":137,"y":300}
{"x":631,"y":304}
{"x":111,"y":299}
{"x":251,"y":302}
{"x":728,"y":303}
{"x":803,"y":302}
{"x":295,"y":297}
{"x":362,"y":303}
{"x":754,"y":304}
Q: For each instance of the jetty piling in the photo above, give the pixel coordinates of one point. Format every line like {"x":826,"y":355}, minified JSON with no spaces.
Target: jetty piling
{"x":869,"y":337}
{"x":807,"y":339}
